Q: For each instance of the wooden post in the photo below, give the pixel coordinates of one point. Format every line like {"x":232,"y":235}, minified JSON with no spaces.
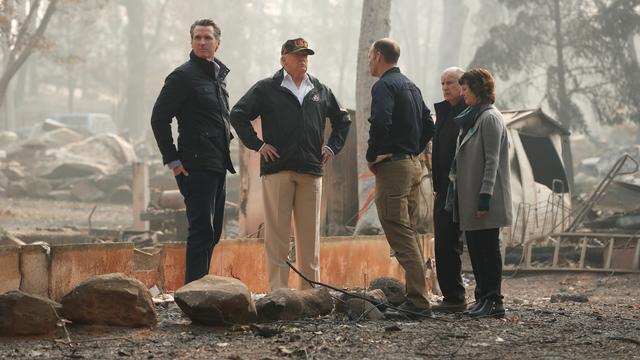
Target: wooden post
{"x":583,"y":252}
{"x":607,"y":262}
{"x":636,"y":256}
{"x":140,"y":190}
{"x":556,"y":253}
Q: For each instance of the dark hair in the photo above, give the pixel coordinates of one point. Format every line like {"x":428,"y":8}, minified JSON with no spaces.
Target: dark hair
{"x":206,"y":22}
{"x":389,"y":49}
{"x":481,"y":84}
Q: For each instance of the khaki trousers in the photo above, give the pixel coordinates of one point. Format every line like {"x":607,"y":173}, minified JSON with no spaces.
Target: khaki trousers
{"x":397,"y":196}
{"x":282,"y":193}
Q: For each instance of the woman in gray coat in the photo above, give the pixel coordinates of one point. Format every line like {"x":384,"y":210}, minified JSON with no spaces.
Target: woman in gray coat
{"x":480,"y":191}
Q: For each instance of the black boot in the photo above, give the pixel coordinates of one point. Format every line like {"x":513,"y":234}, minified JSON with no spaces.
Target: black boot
{"x":478,"y":304}
{"x":450,"y":307}
{"x":490,"y":308}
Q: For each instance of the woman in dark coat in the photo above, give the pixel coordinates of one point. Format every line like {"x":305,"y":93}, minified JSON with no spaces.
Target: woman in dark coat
{"x":480,"y":191}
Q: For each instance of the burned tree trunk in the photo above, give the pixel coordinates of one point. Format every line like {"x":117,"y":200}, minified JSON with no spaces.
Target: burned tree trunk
{"x":375,"y":24}
{"x":563,"y":97}
{"x":136,"y":64}
{"x":454,"y":18}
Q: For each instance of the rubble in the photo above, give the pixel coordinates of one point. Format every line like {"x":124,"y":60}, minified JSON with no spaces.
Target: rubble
{"x":216,"y":300}
{"x":358,"y":309}
{"x":288,"y":304}
{"x":112,"y":299}
{"x":25,"y":314}
{"x":392,"y":288}
{"x":56,"y":162}
{"x":374,"y":296}
{"x":265,"y":331}
{"x":559,"y":298}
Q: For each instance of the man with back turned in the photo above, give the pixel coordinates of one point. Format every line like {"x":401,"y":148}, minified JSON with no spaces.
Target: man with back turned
{"x":401,"y":128}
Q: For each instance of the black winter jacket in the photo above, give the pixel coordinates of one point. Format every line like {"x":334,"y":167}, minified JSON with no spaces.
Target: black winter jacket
{"x":400,"y":120}
{"x":296,"y":131}
{"x":444,"y":143}
{"x":200,"y":102}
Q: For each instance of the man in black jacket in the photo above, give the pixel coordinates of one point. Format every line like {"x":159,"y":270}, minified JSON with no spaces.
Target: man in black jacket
{"x":401,"y":128}
{"x":293,"y":107}
{"x":195,"y":93}
{"x":448,"y":241}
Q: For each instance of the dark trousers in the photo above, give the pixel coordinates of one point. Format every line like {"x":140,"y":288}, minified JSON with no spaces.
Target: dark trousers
{"x":204,"y":197}
{"x":486,"y":260}
{"x":448,"y":246}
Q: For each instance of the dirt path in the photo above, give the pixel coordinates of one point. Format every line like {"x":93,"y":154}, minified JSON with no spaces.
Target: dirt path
{"x":607,"y":326}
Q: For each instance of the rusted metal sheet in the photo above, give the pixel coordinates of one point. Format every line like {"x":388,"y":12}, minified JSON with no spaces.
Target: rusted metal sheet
{"x":250,"y":209}
{"x":71,"y":264}
{"x":9,"y":268}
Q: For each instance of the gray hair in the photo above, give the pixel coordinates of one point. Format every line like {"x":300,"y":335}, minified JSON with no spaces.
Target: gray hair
{"x":455,"y":70}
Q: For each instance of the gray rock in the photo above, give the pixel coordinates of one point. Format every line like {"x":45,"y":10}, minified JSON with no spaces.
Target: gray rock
{"x":60,"y":195}
{"x":14,"y":173}
{"x":86,"y":190}
{"x":112,"y":299}
{"x":288,"y":304}
{"x":17,"y":189}
{"x":25,"y":314}
{"x":121,"y":195}
{"x":375,"y":296}
{"x":216,"y":300}
{"x":38,"y":187}
{"x":393,"y":289}
{"x":358,"y":309}
{"x":4,"y":180}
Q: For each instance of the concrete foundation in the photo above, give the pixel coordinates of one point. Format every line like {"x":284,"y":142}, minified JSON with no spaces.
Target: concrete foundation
{"x":347,"y":262}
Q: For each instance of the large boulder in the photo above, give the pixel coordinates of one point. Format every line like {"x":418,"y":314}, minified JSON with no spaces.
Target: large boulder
{"x":393,"y":289}
{"x":216,"y":300}
{"x":112,"y":299}
{"x":288,"y":304}
{"x":26,"y":314}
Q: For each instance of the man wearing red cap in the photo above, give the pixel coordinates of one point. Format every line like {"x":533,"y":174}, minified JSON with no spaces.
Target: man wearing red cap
{"x":293,"y":107}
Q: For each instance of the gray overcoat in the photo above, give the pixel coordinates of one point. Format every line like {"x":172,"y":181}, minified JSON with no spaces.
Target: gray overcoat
{"x":482,"y":166}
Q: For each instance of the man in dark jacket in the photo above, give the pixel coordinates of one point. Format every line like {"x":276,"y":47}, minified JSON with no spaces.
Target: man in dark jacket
{"x":448,"y":241}
{"x":401,"y":128}
{"x":293,"y":107}
{"x":195,"y":93}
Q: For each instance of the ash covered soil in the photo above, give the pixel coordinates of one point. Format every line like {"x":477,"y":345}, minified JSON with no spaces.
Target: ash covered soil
{"x":27,"y":213}
{"x":606,"y":326}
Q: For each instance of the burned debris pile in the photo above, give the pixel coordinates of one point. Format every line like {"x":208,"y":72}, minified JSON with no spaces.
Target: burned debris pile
{"x":61,"y":163}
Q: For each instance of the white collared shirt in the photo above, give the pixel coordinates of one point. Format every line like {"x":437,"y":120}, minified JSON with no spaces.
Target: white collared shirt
{"x":300,"y":92}
{"x":305,"y":86}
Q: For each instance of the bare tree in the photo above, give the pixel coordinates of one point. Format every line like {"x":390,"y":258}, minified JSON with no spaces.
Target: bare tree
{"x":454,"y":18}
{"x":375,"y":24}
{"x":134,"y":117}
{"x":19,"y":42}
{"x":578,"y":50}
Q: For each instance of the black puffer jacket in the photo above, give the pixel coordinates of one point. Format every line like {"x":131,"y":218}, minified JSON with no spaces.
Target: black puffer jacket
{"x":296,"y":131}
{"x":200,"y":102}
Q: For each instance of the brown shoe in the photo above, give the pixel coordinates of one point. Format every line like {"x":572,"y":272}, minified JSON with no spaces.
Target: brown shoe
{"x":449,"y":307}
